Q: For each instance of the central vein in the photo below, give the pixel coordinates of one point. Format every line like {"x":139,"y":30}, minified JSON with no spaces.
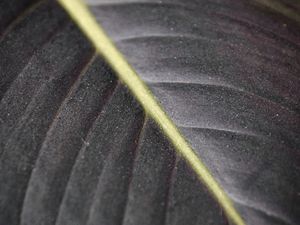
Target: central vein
{"x":104,"y":46}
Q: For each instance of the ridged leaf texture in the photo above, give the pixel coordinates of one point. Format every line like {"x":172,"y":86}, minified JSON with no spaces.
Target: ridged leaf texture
{"x":77,"y":148}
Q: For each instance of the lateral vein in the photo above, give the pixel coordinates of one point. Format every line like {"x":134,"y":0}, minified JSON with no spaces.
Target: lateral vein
{"x":105,"y":47}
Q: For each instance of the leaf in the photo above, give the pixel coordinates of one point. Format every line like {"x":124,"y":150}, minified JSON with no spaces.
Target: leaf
{"x":76,"y":148}
{"x":218,"y":71}
{"x":70,"y":133}
{"x":104,"y":46}
{"x":10,"y":11}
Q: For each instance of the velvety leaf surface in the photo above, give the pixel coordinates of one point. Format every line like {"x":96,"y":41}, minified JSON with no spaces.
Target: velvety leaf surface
{"x":11,"y":11}
{"x":76,"y":148}
{"x":227,"y":72}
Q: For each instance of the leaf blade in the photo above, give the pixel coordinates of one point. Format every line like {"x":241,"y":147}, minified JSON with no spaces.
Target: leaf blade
{"x":79,"y":12}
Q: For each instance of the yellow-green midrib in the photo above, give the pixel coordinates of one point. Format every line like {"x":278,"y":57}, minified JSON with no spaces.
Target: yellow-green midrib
{"x":105,"y":47}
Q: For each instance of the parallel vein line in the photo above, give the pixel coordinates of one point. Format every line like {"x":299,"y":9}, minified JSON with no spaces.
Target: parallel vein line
{"x":104,"y":46}
{"x":9,"y":84}
{"x":150,"y":3}
{"x":221,"y":86}
{"x":52,"y":124}
{"x":88,"y":134}
{"x":169,"y":191}
{"x":19,"y":18}
{"x":271,"y":214}
{"x":134,"y":159}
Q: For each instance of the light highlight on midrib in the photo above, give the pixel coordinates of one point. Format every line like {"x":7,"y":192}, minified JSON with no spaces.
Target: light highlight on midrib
{"x":281,"y":8}
{"x":104,"y":46}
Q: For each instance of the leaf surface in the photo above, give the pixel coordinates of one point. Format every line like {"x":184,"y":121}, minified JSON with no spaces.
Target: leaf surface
{"x":228,"y":75}
{"x":76,"y":148}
